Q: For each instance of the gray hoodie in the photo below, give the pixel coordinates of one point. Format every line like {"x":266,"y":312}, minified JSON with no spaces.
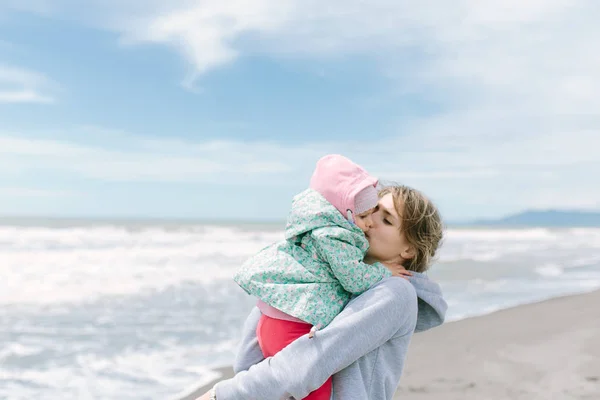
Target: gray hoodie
{"x":364,"y":347}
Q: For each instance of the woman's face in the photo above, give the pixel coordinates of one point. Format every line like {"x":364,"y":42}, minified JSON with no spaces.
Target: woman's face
{"x":382,"y":229}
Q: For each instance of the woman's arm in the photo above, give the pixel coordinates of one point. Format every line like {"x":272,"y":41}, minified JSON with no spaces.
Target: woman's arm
{"x":387,"y":310}
{"x":249,"y":352}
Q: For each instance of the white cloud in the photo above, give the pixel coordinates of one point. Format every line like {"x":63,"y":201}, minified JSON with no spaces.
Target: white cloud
{"x":455,"y":173}
{"x":525,"y":50}
{"x":204,"y":32}
{"x":454,"y":160}
{"x":32,"y":192}
{"x":507,"y":172}
{"x":142,"y":160}
{"x":36,"y":6}
{"x":24,"y":96}
{"x":516,"y":83}
{"x":536,"y":57}
{"x":18,"y":85}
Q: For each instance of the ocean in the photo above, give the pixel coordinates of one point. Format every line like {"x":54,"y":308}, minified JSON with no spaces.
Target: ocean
{"x":130,"y":310}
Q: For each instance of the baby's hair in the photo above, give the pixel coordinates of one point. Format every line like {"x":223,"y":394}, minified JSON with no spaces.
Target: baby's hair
{"x":421,"y":224}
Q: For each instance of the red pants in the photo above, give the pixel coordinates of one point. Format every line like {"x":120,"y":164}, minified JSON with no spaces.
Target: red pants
{"x":274,"y":334}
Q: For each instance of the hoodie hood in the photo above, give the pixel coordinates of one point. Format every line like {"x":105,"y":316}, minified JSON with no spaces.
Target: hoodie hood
{"x":310,"y":211}
{"x":431,"y":304}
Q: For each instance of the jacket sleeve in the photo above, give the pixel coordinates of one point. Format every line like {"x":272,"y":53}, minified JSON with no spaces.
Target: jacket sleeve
{"x":387,"y":310}
{"x":340,"y":249}
{"x":249,"y":352}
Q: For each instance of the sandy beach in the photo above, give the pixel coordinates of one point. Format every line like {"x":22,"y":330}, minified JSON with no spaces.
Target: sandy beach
{"x":543,"y":351}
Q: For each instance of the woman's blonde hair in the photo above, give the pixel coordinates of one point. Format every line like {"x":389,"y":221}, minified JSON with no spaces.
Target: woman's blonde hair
{"x":421,"y":224}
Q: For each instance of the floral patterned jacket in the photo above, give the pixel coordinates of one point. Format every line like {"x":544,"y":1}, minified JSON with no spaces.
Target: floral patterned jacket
{"x":314,"y":272}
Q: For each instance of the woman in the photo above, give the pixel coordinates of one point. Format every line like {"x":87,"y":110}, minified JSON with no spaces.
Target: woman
{"x":365,"y":346}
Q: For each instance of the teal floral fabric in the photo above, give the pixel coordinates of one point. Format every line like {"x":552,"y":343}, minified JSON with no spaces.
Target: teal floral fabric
{"x":312,"y":274}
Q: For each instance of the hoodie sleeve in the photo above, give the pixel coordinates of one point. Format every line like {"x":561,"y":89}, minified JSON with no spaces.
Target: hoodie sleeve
{"x":341,"y":249}
{"x":249,"y":352}
{"x":387,"y":310}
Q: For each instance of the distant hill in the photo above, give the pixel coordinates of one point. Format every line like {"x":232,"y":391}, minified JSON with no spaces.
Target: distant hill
{"x":549,"y":218}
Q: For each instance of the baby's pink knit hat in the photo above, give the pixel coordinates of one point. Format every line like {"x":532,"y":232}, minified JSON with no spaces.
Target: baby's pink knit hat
{"x":346,"y":185}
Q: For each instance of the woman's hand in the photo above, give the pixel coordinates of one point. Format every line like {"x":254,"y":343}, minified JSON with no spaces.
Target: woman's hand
{"x":397,"y":270}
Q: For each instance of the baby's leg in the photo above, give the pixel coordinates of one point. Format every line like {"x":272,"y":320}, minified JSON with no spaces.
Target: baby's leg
{"x":275,"y":334}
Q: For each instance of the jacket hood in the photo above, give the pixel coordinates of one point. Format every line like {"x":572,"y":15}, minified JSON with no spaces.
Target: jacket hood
{"x":310,"y":211}
{"x":340,"y":181}
{"x":431,"y":304}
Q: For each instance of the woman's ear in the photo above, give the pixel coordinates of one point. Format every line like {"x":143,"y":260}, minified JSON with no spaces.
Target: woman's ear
{"x":408,"y":253}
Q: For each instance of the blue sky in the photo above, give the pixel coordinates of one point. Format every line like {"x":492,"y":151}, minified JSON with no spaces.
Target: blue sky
{"x":206,"y":109}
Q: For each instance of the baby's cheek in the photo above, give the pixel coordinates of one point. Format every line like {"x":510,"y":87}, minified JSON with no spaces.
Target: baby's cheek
{"x":361,"y":224}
